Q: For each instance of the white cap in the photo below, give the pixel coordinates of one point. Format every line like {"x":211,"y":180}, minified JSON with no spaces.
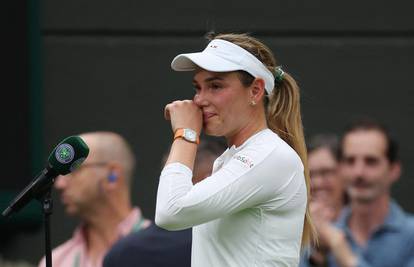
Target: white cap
{"x":224,"y":56}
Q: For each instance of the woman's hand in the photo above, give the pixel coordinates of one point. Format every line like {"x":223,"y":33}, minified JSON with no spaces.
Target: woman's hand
{"x":184,"y":114}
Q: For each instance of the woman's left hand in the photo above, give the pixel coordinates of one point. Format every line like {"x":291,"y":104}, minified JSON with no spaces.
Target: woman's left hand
{"x":184,"y":114}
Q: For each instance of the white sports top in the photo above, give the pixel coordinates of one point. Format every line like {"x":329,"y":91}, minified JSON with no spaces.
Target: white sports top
{"x":249,"y":212}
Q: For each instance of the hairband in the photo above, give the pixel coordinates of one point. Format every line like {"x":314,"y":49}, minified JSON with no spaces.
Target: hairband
{"x":279,"y":73}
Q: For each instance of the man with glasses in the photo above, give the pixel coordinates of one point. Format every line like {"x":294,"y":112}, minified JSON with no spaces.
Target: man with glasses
{"x":326,"y":183}
{"x":99,"y":194}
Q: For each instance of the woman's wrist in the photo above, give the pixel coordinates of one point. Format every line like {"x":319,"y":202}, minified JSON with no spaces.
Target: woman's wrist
{"x":187,"y":134}
{"x":183,"y":151}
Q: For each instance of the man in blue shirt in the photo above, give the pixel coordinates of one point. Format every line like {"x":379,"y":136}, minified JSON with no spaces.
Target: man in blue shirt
{"x":373,"y":230}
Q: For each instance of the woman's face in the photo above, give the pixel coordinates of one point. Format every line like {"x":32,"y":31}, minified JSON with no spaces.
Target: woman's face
{"x":224,"y":102}
{"x":326,"y":184}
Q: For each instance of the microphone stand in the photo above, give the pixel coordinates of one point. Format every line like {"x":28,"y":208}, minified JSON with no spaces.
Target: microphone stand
{"x":47,"y":211}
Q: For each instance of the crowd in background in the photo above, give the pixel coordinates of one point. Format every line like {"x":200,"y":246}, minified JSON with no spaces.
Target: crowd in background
{"x":356,"y":219}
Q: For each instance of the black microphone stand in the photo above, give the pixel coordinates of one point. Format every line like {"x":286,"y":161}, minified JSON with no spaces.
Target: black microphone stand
{"x":47,"y":203}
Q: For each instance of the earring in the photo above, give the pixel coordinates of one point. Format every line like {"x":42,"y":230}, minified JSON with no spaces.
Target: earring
{"x":252,"y":103}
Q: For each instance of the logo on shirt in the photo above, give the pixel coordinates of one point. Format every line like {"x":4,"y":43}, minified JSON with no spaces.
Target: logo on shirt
{"x":245,"y":160}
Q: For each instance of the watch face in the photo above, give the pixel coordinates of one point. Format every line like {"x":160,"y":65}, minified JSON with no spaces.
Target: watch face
{"x":190,"y":135}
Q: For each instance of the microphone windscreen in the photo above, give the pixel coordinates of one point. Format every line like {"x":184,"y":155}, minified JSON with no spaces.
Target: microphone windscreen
{"x":68,"y":155}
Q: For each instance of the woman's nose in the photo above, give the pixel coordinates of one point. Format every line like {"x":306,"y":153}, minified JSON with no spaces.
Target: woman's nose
{"x":200,"y":98}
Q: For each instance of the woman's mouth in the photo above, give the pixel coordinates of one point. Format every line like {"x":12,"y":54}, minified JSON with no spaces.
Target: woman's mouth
{"x":208,"y":115}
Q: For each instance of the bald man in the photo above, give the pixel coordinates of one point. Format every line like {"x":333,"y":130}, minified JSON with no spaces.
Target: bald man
{"x":99,"y":194}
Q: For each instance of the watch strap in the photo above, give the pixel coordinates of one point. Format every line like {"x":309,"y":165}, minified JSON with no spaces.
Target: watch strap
{"x":180,"y":133}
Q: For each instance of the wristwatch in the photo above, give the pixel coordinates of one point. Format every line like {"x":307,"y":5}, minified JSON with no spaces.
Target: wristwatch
{"x":187,"y":134}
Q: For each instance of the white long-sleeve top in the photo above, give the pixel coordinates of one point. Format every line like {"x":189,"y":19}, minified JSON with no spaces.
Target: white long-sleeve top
{"x":249,"y":212}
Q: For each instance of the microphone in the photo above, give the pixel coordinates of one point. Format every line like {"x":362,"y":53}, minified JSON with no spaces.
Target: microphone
{"x":65,"y":157}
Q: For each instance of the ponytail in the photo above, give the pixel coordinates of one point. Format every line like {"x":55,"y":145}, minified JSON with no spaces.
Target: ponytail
{"x":284,"y":118}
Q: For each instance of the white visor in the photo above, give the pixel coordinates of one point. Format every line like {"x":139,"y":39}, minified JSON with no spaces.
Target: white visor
{"x":224,"y":56}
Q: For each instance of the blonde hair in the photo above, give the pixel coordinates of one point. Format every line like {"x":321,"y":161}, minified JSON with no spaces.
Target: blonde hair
{"x":282,"y":109}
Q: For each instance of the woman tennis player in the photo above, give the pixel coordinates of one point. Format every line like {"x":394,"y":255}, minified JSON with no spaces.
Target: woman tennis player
{"x":252,"y":211}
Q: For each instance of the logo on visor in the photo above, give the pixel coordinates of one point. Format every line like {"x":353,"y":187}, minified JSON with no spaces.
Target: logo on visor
{"x":213,"y":46}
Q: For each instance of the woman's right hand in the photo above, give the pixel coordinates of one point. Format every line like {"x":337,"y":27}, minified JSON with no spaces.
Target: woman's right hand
{"x":184,"y":114}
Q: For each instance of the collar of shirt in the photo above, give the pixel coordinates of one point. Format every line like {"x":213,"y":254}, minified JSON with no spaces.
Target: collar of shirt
{"x":73,"y":252}
{"x":393,"y":221}
{"x":133,"y":222}
{"x":123,"y":228}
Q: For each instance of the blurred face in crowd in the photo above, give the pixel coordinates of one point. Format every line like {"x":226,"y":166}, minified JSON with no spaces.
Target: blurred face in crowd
{"x":326,"y":185}
{"x":365,"y":166}
{"x":82,"y":189}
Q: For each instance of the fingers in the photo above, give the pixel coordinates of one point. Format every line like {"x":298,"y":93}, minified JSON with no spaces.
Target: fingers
{"x":167,"y":112}
{"x":184,"y":114}
{"x":179,"y":105}
{"x":170,"y":106}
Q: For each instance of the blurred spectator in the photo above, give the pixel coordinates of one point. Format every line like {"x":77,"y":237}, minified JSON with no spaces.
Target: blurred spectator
{"x":154,"y":246}
{"x":327,"y":187}
{"x":373,"y":230}
{"x":99,"y":194}
{"x":326,"y":184}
